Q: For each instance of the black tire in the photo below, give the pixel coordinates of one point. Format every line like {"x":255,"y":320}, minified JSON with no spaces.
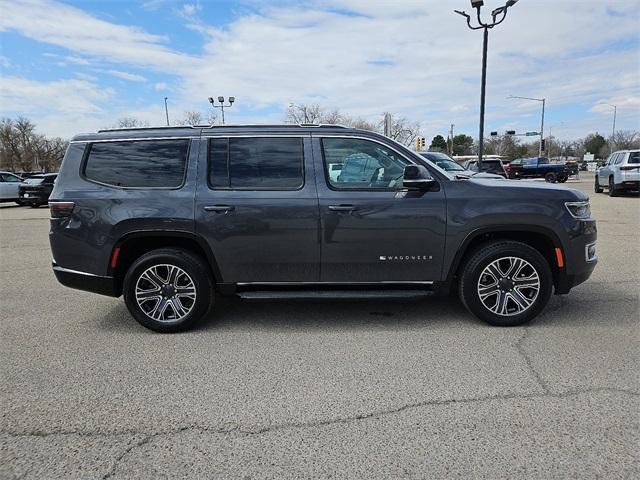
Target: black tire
{"x":550,"y":177}
{"x":612,"y":188}
{"x":480,"y":259}
{"x":562,"y":179}
{"x":597,"y":188}
{"x":197,"y":273}
{"x":34,"y":205}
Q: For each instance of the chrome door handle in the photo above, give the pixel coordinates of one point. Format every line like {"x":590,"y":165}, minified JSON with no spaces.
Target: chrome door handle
{"x":342,"y":208}
{"x":219,"y":208}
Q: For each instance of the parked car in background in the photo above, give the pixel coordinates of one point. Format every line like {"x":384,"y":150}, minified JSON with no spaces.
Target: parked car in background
{"x":448,"y":164}
{"x":539,"y":167}
{"x":35,"y":191}
{"x":621,"y":172}
{"x":488,"y":166}
{"x":9,"y":184}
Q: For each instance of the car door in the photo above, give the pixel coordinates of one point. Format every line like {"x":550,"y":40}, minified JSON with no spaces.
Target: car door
{"x":9,"y":186}
{"x":605,"y":170}
{"x":372,"y":229}
{"x":256,"y":205}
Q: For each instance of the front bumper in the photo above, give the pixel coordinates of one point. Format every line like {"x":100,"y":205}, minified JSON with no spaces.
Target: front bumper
{"x":580,"y":260}
{"x":86,"y":281}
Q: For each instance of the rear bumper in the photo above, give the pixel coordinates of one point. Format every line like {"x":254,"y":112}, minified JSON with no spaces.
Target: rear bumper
{"x":86,"y":281}
{"x":629,"y":185}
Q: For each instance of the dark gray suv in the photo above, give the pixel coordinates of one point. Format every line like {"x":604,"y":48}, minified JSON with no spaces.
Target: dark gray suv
{"x":168,"y":217}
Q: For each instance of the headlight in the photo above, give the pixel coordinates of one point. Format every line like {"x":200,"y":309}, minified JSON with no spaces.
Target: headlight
{"x":579,"y":209}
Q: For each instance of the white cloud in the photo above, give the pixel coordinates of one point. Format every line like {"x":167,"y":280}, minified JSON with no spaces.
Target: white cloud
{"x":63,"y":96}
{"x":126,"y":75}
{"x":4,"y":62}
{"x":412,"y":57}
{"x":76,"y":60}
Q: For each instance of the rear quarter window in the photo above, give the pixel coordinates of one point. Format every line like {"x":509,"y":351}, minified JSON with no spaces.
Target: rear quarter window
{"x":634,"y":157}
{"x":138,"y":163}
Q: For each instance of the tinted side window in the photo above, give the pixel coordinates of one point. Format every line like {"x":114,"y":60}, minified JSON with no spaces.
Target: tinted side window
{"x":634,"y":157}
{"x":256,"y":163}
{"x":142,"y":163}
{"x":620,"y":158}
{"x":363,"y":164}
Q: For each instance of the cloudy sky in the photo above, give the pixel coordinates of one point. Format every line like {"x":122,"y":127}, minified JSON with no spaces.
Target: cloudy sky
{"x":80,"y":65}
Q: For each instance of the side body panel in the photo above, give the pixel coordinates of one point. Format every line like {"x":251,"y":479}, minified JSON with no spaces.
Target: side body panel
{"x":266,"y":235}
{"x":390,"y":236}
{"x":105,"y":214}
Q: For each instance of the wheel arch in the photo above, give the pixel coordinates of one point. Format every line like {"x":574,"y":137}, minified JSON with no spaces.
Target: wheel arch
{"x":132,"y":245}
{"x":544,"y":240}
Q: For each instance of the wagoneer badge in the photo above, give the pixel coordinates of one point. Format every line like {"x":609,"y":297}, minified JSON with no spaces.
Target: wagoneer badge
{"x":405,"y":258}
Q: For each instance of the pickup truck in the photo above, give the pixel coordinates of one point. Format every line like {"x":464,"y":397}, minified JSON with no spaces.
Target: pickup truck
{"x":538,"y":167}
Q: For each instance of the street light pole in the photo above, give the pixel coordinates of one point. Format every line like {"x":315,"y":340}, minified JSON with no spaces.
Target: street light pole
{"x":477,"y":4}
{"x":166,"y":110}
{"x":543,"y":100}
{"x":613,"y":130}
{"x":222,"y":106}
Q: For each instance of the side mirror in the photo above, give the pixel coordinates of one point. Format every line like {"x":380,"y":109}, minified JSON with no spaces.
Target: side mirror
{"x":417,"y":176}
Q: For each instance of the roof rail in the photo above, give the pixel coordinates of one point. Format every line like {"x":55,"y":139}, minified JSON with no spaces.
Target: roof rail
{"x":164,"y":127}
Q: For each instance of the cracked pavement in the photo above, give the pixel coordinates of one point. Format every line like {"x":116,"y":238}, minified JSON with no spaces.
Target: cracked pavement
{"x":319,"y":390}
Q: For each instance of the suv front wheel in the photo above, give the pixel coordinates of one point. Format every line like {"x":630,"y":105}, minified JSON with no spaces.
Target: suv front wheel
{"x":168,"y":290}
{"x":506,"y":283}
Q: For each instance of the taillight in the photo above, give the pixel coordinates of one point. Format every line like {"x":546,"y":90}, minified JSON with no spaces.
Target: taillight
{"x":61,"y":209}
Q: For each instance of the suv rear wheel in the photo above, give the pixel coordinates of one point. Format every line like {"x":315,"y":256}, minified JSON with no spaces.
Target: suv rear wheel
{"x":612,"y":188}
{"x":550,"y":177}
{"x":506,"y":283}
{"x":597,"y":187}
{"x":168,"y":290}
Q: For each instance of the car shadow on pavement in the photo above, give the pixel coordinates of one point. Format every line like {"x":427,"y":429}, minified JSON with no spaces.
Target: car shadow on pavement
{"x":230,"y":313}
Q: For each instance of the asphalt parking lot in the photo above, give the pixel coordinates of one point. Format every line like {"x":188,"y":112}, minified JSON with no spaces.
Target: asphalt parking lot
{"x":299,"y":390}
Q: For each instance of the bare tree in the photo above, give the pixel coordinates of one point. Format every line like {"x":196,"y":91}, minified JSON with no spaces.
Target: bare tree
{"x":402,"y":130}
{"x":22,"y":149}
{"x":130,"y":122}
{"x":626,"y":139}
{"x":304,"y":113}
{"x":190,"y":117}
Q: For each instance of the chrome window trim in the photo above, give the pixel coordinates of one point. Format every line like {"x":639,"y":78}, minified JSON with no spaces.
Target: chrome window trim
{"x":128,"y":139}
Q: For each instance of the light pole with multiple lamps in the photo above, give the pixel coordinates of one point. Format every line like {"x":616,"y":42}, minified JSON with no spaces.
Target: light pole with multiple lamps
{"x":501,"y":13}
{"x":543,"y":100}
{"x":222,"y":106}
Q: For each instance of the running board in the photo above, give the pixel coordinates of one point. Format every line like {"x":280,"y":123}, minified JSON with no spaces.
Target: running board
{"x":258,"y":295}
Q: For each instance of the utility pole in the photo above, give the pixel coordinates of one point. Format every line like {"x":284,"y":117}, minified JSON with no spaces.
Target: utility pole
{"x":477,"y":4}
{"x":451,"y":142}
{"x":166,"y":110}
{"x":613,"y":130}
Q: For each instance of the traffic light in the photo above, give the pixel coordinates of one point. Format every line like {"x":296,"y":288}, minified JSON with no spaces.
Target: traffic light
{"x":542,"y":145}
{"x":423,"y":142}
{"x":511,"y":132}
{"x":418,"y":144}
{"x":494,"y":134}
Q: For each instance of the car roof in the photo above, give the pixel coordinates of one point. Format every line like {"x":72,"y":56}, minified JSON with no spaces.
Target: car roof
{"x":206,"y":130}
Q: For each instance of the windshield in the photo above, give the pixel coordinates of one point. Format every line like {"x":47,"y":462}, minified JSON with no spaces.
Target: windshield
{"x":443,"y":161}
{"x":34,"y":180}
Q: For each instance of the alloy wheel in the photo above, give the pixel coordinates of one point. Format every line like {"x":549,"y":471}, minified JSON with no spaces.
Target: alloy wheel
{"x":508,"y":286}
{"x":165,"y":293}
